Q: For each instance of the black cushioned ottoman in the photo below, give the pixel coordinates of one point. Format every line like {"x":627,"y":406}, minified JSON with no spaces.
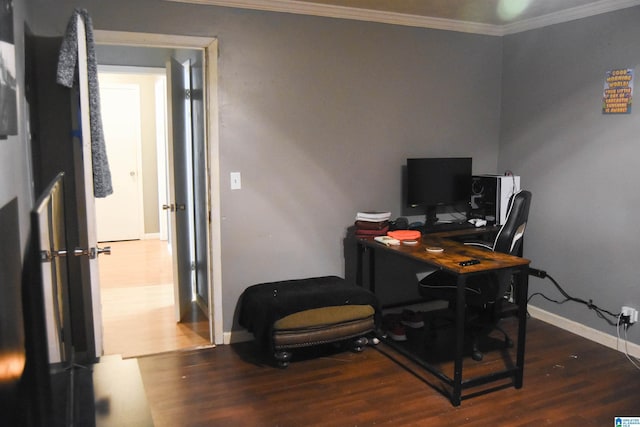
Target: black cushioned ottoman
{"x":299,"y":313}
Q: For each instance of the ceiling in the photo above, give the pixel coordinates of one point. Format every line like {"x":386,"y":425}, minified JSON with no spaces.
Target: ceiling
{"x":493,"y":17}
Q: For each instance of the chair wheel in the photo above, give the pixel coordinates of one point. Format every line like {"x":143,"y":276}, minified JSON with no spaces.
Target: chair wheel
{"x":477,"y":355}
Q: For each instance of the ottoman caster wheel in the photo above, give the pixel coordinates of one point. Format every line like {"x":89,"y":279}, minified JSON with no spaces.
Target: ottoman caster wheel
{"x":283,"y":358}
{"x":358,"y":344}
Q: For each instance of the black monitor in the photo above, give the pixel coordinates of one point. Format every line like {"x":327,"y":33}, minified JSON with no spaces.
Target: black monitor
{"x":433,"y":182}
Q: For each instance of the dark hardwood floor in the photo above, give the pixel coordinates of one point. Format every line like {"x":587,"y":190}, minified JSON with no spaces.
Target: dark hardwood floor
{"x":569,"y":381}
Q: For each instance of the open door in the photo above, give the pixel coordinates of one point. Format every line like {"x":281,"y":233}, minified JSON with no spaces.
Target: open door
{"x":201,"y":191}
{"x":180,"y":187}
{"x":88,"y":248}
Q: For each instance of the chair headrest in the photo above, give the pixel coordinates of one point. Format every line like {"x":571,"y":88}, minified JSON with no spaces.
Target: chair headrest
{"x":509,"y":238}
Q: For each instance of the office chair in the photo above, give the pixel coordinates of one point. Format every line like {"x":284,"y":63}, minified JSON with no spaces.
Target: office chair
{"x":485,"y":293}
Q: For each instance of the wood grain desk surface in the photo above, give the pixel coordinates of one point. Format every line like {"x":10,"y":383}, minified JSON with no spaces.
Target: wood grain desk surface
{"x":453,"y":253}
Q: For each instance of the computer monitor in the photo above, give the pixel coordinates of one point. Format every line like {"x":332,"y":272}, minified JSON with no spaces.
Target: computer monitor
{"x":433,"y":182}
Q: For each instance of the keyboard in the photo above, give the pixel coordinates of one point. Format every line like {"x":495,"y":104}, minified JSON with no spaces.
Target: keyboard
{"x":447,"y":226}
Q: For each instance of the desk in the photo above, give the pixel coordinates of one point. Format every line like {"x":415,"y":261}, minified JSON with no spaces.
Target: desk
{"x":448,"y":260}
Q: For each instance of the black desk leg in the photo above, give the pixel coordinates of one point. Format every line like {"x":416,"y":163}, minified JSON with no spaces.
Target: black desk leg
{"x":360,"y":267}
{"x":460,"y":324}
{"x":522,"y":295}
{"x":372,"y":270}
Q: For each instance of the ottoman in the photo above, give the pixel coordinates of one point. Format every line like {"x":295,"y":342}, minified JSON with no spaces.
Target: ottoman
{"x":291,"y":314}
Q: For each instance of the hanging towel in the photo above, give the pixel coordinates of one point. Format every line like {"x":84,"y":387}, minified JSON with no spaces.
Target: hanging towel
{"x":66,"y":76}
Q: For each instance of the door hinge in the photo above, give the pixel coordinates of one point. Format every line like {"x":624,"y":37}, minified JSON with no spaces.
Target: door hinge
{"x":187,"y":93}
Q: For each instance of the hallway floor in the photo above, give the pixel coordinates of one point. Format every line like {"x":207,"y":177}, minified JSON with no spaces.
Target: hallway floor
{"x":137,"y":302}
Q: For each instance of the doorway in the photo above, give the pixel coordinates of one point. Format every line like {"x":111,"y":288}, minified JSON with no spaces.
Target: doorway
{"x":136,"y":281}
{"x":148,"y":244}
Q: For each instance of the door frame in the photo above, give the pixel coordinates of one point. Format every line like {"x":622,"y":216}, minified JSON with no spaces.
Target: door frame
{"x":210,"y":49}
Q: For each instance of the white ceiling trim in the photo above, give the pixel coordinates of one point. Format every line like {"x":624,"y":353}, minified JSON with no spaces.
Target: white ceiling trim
{"x":343,"y":12}
{"x":567,"y":15}
{"x":331,"y":11}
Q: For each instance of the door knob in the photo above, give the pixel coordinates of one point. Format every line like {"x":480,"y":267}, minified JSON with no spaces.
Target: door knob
{"x":92,"y":253}
{"x":81,"y":252}
{"x":106,"y":250}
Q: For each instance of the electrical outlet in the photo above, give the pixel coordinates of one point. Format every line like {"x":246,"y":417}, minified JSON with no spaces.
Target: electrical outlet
{"x":630,"y":313}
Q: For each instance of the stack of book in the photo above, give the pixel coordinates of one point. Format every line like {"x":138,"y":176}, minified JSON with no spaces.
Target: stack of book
{"x":372,"y":224}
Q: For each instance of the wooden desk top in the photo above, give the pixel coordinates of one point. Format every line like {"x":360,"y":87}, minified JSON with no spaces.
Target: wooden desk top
{"x":453,"y":253}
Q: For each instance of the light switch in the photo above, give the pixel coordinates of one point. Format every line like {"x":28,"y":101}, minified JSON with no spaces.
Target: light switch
{"x":236,"y":184}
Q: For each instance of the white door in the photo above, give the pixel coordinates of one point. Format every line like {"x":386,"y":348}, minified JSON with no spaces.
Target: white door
{"x":180,"y":187}
{"x":119,"y":216}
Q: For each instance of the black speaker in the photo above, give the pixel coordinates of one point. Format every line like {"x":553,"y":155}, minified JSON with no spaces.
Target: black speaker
{"x":483,"y":198}
{"x":490,"y":196}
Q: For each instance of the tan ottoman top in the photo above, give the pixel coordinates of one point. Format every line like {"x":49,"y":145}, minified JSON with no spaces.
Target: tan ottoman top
{"x":330,"y":315}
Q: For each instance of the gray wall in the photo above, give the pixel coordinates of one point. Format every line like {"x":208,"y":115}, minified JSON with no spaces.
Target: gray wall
{"x":581,"y":165}
{"x":319,"y":116}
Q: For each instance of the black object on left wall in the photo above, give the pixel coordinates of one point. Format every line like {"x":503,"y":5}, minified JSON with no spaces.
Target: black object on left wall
{"x":25,"y":396}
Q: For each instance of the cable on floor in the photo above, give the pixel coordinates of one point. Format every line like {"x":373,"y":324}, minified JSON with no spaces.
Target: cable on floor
{"x":602,"y":313}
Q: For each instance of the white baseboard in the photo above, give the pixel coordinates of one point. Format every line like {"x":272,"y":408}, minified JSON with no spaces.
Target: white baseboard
{"x":237,"y":336}
{"x":151,"y":236}
{"x":600,"y":337}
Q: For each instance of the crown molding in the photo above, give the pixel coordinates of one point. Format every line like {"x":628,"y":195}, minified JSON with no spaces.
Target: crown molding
{"x":343,"y":12}
{"x":593,"y":9}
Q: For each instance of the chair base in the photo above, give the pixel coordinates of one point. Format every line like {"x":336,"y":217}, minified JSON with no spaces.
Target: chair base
{"x":439,"y":326}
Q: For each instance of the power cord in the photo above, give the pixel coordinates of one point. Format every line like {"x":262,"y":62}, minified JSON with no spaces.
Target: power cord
{"x":632,"y":359}
{"x":599,"y":311}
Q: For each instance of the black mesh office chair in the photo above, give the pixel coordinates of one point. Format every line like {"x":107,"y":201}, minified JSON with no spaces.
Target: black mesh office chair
{"x":485,"y":294}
